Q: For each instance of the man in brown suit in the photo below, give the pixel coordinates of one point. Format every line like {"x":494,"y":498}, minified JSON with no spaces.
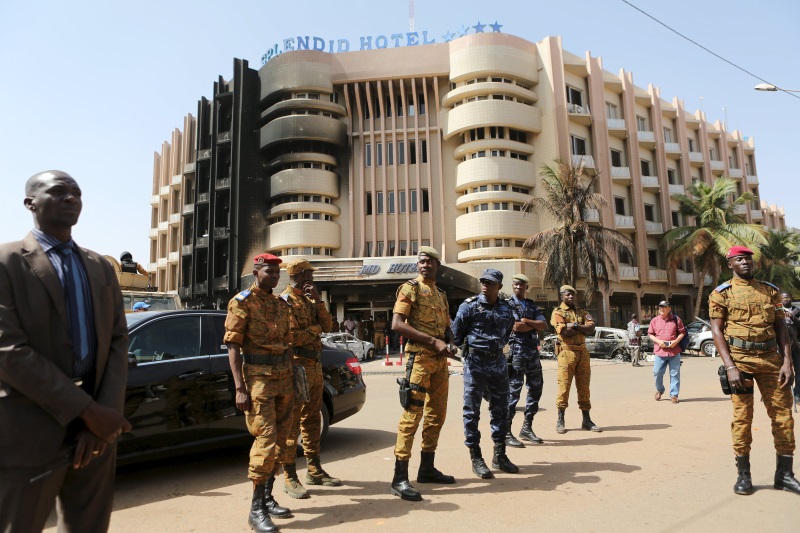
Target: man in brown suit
{"x":63,"y":369}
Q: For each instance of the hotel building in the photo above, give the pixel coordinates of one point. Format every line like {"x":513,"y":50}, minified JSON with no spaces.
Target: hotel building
{"x":354,"y":160}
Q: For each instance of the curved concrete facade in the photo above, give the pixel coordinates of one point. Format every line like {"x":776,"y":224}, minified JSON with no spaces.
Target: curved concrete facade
{"x":467,"y":200}
{"x":485,"y":113}
{"x":484,"y":170}
{"x":299,"y":70}
{"x":303,"y":128}
{"x":304,"y":181}
{"x":304,"y":207}
{"x":491,"y":224}
{"x":490,"y":252}
{"x":285,"y":107}
{"x":318,"y":233}
{"x":485,"y":88}
{"x":488,"y":54}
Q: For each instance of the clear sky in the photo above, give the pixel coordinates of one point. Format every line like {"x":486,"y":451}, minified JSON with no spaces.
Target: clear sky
{"x":94,"y":88}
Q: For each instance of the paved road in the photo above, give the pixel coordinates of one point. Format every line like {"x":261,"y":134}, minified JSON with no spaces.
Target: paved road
{"x":656,"y":467}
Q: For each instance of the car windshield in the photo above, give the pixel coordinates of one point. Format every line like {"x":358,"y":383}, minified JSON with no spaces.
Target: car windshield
{"x":156,"y":302}
{"x":135,"y":318}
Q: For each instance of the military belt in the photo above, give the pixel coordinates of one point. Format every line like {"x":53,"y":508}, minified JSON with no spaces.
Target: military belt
{"x":486,"y":354}
{"x":747,"y":345}
{"x":255,"y":359}
{"x":307,"y":353}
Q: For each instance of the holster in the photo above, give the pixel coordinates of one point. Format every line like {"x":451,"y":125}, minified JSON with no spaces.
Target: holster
{"x":301,"y":384}
{"x":406,"y":387}
{"x":727,"y":388}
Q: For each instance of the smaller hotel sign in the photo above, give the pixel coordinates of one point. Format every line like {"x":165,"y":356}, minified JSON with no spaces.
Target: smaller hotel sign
{"x":369,"y":42}
{"x":389,"y":268}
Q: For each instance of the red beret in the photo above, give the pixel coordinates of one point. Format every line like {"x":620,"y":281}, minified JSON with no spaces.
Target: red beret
{"x":267,"y":259}
{"x":738,"y":250}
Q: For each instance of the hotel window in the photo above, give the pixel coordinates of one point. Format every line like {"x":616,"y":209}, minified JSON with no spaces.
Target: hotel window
{"x":498,"y":187}
{"x":676,"y":219}
{"x":391,"y":248}
{"x":501,"y":206}
{"x":368,"y":203}
{"x":414,"y":247}
{"x":652,"y":258}
{"x":516,"y":135}
{"x":388,"y":108}
{"x":379,"y":154}
{"x":578,"y":145}
{"x":619,"y":205}
{"x":390,"y":202}
{"x":476,"y":155}
{"x":502,"y":242}
{"x":616,"y":158}
{"x":691,"y":145}
{"x":390,"y":154}
{"x":379,"y":202}
{"x":401,"y":153}
{"x":476,"y":134}
{"x":424,"y":148}
{"x":649,"y":212}
{"x":497,"y":153}
{"x":421,"y":103}
{"x":480,"y":207}
{"x":645,"y":167}
{"x":522,"y":190}
{"x":398,"y":104}
{"x":667,"y":135}
{"x":425,"y":204}
{"x":672,"y":176}
{"x":368,"y":154}
{"x":611,"y":110}
{"x":403,"y":250}
{"x":574,"y":96}
{"x":641,"y":123}
{"x":518,"y":243}
{"x":380,"y":249}
{"x":413,"y":206}
{"x":401,"y":202}
{"x":368,"y":250}
{"x":496,"y":132}
{"x":515,"y":155}
{"x":412,"y":152}
{"x":625,"y":257}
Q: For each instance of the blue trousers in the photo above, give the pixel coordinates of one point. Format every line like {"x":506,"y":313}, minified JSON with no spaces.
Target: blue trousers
{"x":660,"y":366}
{"x":525,"y":367}
{"x":483,"y":374}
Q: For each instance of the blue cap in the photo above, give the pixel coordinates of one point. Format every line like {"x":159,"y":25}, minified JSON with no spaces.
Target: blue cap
{"x":492,"y":275}
{"x":140,"y":305}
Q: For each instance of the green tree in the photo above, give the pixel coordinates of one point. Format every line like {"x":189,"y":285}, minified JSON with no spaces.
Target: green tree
{"x":573,"y":245}
{"x":716,"y":228}
{"x":780,"y":257}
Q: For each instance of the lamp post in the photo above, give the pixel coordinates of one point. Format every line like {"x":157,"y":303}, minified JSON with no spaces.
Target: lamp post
{"x":772,"y":88}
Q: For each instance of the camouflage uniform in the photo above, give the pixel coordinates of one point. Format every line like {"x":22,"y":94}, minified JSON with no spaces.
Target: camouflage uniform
{"x":311,"y":318}
{"x":573,"y":357}
{"x":259,"y":321}
{"x":425,"y":305}
{"x":748,"y":309}
{"x":379,"y":337}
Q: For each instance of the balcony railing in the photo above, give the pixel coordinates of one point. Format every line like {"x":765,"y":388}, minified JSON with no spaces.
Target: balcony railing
{"x":650,"y":182}
{"x":155,"y":199}
{"x":735,"y":172}
{"x":658,"y":274}
{"x":177,"y":179}
{"x":185,"y":292}
{"x":174,"y":219}
{"x":586,"y":160}
{"x":578,"y":109}
{"x":628,"y":272}
{"x":220,"y":283}
{"x":221,"y":233}
{"x":201,"y":288}
{"x":672,"y":148}
{"x":620,"y":174}
{"x":756,"y":214}
{"x":616,"y":123}
{"x":222,"y":183}
{"x":173,"y":257}
{"x":187,"y":209}
{"x":752,"y":180}
{"x":696,"y":157}
{"x":675,"y":188}
{"x":592,"y":215}
{"x":717,"y":165}
{"x":202,"y":198}
{"x":201,"y":242}
{"x":740,"y":209}
{"x":646,"y":136}
{"x":683,"y":277}
{"x":623,"y":222}
{"x":654,"y":228}
{"x":186,"y":249}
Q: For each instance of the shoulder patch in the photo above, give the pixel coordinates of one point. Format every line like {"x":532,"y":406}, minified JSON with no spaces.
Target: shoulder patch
{"x":242,"y":295}
{"x":589,"y":317}
{"x":285,"y":297}
{"x":770,"y":284}
{"x":471,"y":299}
{"x":726,"y":285}
{"x":413,"y":282}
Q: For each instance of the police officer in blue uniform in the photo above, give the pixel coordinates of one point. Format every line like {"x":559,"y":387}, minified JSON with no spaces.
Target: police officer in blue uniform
{"x":482,"y":327}
{"x":524,"y":360}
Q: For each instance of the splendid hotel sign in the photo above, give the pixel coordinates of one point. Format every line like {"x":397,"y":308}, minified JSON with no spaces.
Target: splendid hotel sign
{"x":370,"y":42}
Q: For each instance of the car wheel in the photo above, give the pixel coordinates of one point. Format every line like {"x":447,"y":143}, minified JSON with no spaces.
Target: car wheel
{"x":325,"y":422}
{"x":618,"y":356}
{"x":708,"y":348}
{"x":371,"y":354}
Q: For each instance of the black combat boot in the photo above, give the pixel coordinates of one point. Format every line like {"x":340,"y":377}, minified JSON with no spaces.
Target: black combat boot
{"x":428,"y":473}
{"x":511,"y":440}
{"x":587,"y":424}
{"x":744,"y":483}
{"x":259,"y":517}
{"x":784,"y":476}
{"x":527,"y":431}
{"x":400,"y":484}
{"x":560,"y":429}
{"x":273,"y":507}
{"x":501,"y":461}
{"x":478,"y":464}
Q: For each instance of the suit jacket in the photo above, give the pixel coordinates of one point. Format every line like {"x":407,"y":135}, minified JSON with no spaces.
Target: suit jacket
{"x":38,"y":398}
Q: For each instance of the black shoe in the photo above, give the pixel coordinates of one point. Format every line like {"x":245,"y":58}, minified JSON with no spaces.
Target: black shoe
{"x":560,"y":428}
{"x":400,"y":484}
{"x":587,"y":423}
{"x":259,"y":519}
{"x":273,"y":507}
{"x":478,"y":464}
{"x":526,"y":433}
{"x":429,"y":474}
{"x":512,"y":441}
{"x":501,"y":461}
{"x":784,"y":476}
{"x":744,"y":483}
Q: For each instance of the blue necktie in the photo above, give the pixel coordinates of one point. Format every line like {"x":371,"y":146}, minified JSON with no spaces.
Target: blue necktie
{"x":76,"y":298}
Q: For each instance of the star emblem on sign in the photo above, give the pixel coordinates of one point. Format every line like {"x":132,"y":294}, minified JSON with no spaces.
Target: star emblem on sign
{"x":479,"y":27}
{"x":496,"y":27}
{"x":449,"y":36}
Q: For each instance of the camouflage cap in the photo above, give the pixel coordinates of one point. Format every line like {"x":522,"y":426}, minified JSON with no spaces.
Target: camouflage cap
{"x":430,"y":252}
{"x":298,"y":266}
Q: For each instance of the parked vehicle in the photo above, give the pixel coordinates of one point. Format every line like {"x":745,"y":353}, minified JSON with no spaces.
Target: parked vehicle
{"x":610,"y":343}
{"x":181,"y":394}
{"x":344,"y":341}
{"x":703,"y":343}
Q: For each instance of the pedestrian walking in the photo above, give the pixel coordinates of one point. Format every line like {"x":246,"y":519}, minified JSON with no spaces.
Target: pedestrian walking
{"x":791,"y":314}
{"x":482,"y":327}
{"x":258,"y":333}
{"x":666,"y":331}
{"x":525,"y":366}
{"x":747,"y":323}
{"x":634,"y":339}
{"x":572,"y":324}
{"x":422,"y":316}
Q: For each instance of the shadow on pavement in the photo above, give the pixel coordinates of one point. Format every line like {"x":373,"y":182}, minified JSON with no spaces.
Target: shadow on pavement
{"x":714,"y":399}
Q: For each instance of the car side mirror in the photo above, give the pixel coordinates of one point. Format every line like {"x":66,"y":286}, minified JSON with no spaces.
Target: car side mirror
{"x":132,"y":363}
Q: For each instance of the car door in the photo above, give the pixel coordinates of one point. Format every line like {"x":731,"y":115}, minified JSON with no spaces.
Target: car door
{"x":166,"y":399}
{"x":225,"y":418}
{"x":605,"y":342}
{"x":591,"y":341}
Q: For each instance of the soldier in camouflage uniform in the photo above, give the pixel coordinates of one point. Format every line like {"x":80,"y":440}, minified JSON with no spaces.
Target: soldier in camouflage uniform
{"x":311,"y":318}
{"x":379,"y":337}
{"x":572,"y":325}
{"x":422,"y":315}
{"x":258,"y":334}
{"x":746,"y":318}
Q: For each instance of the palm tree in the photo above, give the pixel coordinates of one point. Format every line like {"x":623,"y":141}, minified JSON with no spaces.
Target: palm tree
{"x":573,"y":245}
{"x":716,"y":228}
{"x":780,"y":257}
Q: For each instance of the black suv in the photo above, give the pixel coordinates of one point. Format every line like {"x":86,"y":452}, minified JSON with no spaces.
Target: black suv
{"x":180,"y":389}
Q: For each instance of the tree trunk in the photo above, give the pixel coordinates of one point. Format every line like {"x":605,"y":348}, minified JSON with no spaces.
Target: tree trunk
{"x":698,"y":302}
